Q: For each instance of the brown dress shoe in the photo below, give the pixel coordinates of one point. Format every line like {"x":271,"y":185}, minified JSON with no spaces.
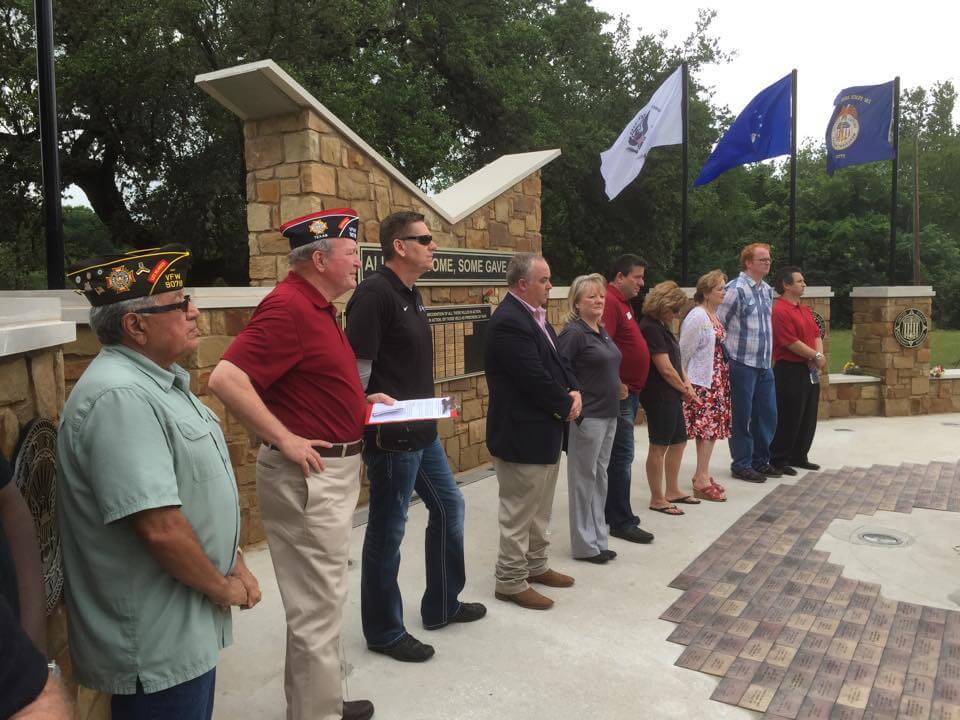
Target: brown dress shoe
{"x":551,"y":578}
{"x":529,"y":598}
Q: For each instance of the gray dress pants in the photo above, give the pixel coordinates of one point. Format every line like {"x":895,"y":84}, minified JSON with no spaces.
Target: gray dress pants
{"x":588,"y":454}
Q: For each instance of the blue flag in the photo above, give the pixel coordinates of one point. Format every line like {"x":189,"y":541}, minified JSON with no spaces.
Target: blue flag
{"x":761,"y":131}
{"x":861,"y":127}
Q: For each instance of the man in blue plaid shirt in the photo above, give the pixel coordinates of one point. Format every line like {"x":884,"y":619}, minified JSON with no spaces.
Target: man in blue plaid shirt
{"x":746,"y":313}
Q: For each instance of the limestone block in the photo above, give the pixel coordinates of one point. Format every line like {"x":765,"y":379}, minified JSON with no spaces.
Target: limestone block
{"x":531,"y":186}
{"x":867,"y":408}
{"x":469,"y":457}
{"x":353,"y":184}
{"x":502,"y":208}
{"x":235,"y":319}
{"x":315,"y":122}
{"x":272,"y":243}
{"x":330,"y":148}
{"x":525,"y":204}
{"x":290,"y":186}
{"x":263,"y":267}
{"x":452,"y":447}
{"x":478,"y":431}
{"x":532,"y":223}
{"x":288,"y":170}
{"x":9,"y":431}
{"x":920,"y":386}
{"x":471,"y":410}
{"x":268,"y":191}
{"x":44,"y":385}
{"x":238,"y":455}
{"x":283,"y":267}
{"x":869,"y":392}
{"x":258,"y":217}
{"x":896,"y":407}
{"x":209,"y":351}
{"x":382,"y":197}
{"x":478,"y":220}
{"x":317,"y":178}
{"x":263,"y":151}
{"x":923,"y":354}
{"x":445,"y":428}
{"x":476,"y":238}
{"x":903,"y":360}
{"x":848,"y":392}
{"x":14,"y":381}
{"x":301,"y":146}
{"x":518,"y":228}
{"x":294,"y":206}
{"x":499,"y":234}
{"x":535,"y":240}
{"x":840,"y":408}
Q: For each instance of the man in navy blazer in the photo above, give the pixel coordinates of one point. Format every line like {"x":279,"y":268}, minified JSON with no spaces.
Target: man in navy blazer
{"x":533,"y":394}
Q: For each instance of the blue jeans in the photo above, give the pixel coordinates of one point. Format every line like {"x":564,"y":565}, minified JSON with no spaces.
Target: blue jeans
{"x":393,"y":478}
{"x":617,"y":510}
{"x":190,"y":700}
{"x":754,"y":399}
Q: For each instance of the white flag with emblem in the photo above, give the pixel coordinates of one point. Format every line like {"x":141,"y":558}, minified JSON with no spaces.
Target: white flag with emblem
{"x":660,"y":122}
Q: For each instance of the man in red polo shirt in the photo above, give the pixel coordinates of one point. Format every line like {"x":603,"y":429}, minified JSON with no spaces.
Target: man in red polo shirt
{"x":625,"y":281}
{"x":291,"y":377}
{"x":798,"y":358}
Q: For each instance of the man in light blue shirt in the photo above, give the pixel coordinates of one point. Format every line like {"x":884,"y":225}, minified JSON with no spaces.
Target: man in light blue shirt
{"x":147,"y":500}
{"x":746,"y":314}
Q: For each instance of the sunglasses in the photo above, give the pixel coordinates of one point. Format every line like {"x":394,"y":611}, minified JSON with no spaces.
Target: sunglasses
{"x":422,"y":239}
{"x":182,"y":305}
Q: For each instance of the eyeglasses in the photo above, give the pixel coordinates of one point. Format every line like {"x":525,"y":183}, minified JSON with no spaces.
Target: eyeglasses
{"x":182,"y":305}
{"x":422,"y":239}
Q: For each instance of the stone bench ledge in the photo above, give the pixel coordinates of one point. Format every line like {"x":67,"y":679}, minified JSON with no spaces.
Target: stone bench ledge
{"x":844,"y":379}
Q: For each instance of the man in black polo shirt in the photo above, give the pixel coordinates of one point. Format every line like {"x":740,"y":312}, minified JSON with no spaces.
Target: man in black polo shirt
{"x":388,"y":329}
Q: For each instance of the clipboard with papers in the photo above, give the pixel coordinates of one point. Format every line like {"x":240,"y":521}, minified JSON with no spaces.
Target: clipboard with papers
{"x":411,"y":410}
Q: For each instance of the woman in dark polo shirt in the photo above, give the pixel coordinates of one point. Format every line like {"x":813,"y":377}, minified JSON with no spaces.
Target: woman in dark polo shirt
{"x":663,"y":396}
{"x":596,"y":361}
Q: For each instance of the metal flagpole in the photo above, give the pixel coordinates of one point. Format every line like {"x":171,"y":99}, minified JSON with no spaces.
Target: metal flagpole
{"x":792,"y":252}
{"x":685,"y":172}
{"x":895,"y":167}
{"x":916,"y":209}
{"x":49,"y":138}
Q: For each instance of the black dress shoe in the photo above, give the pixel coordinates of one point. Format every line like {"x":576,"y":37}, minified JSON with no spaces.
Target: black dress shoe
{"x":357,"y":710}
{"x":748,"y":474}
{"x":632,"y":534}
{"x":769,"y":470}
{"x":786,"y":470}
{"x":407,"y":649}
{"x":609,"y":553}
{"x":806,"y":465}
{"x":598,"y":559}
{"x":469,"y":612}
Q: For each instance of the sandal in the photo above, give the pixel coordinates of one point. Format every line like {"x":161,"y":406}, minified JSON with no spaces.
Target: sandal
{"x":717,"y":485}
{"x":711,"y":492}
{"x":685,"y":500}
{"x":669,"y":510}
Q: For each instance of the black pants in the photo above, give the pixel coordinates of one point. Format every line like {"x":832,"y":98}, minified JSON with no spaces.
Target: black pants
{"x":797,"y":401}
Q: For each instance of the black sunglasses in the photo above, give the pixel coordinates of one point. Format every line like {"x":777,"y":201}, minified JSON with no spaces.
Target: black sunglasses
{"x":182,"y":305}
{"x":422,"y":239}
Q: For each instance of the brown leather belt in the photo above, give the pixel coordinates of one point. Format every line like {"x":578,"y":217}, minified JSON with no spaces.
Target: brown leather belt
{"x":339,"y":450}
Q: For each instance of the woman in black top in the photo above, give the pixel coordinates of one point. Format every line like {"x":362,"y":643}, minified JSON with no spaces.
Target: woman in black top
{"x":596,"y":363}
{"x":662,"y":398}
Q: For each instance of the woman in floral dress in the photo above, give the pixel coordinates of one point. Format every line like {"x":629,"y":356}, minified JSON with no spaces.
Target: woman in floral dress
{"x":701,"y":347}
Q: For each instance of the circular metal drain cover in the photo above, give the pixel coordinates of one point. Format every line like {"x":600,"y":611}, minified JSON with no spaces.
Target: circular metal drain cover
{"x":880,"y":538}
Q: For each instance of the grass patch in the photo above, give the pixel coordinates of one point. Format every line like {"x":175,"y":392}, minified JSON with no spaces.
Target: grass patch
{"x":944,"y":348}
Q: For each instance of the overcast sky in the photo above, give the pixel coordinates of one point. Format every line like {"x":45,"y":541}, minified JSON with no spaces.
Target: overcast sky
{"x":832,"y":45}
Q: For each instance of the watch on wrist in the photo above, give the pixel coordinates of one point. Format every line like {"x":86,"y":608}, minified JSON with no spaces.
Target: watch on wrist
{"x":818,"y":356}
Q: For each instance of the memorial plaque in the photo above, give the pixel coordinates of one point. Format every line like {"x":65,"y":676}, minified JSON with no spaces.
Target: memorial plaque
{"x":757,"y":697}
{"x":451,"y":266}
{"x":718,"y":664}
{"x":459,"y":336}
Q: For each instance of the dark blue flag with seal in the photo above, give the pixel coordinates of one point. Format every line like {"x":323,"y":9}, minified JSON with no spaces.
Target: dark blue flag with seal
{"x":760,"y":132}
{"x":860,"y":129}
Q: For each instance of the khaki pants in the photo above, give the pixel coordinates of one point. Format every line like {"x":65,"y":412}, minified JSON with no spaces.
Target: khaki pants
{"x":308,"y":522}
{"x":526,"y":499}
